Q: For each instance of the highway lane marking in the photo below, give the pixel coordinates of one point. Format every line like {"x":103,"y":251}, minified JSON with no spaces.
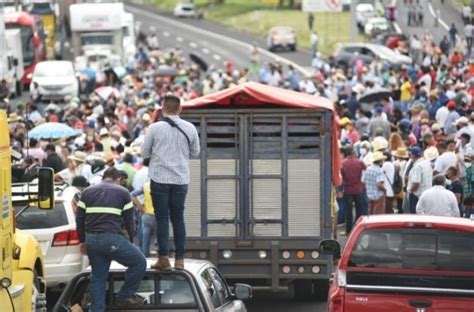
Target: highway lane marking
{"x":217,"y":57}
{"x":179,"y":39}
{"x":233,"y":41}
{"x":205,"y":51}
{"x":166,"y":34}
{"x":193,"y":45}
{"x":441,"y":22}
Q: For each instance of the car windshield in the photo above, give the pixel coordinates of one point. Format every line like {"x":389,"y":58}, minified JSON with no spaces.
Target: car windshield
{"x":53,"y":70}
{"x":402,"y":248}
{"x":34,"y":218}
{"x":102,"y":39}
{"x":283,"y":30}
{"x":27,"y":45}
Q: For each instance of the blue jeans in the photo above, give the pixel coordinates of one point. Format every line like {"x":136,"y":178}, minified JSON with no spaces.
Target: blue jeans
{"x":358,"y":201}
{"x":102,"y":248}
{"x":168,"y":202}
{"x":148,"y":231}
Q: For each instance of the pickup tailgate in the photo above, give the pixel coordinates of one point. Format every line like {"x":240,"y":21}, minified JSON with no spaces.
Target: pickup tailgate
{"x":365,"y":301}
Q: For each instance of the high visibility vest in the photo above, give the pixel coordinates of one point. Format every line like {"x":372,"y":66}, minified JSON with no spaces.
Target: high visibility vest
{"x":148,"y":203}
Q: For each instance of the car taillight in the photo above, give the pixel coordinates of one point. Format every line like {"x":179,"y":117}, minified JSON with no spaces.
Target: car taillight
{"x":337,"y":292}
{"x":66,"y":238}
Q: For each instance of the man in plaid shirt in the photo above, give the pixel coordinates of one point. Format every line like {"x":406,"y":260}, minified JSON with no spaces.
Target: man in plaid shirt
{"x":374,"y":182}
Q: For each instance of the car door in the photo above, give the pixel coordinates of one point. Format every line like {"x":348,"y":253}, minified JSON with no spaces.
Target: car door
{"x":224,"y":293}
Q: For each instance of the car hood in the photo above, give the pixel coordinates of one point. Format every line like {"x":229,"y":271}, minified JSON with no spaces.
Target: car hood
{"x":54,"y":81}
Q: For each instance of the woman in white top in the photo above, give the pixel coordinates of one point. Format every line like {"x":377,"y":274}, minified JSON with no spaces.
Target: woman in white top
{"x":401,"y":159}
{"x":389,"y":171}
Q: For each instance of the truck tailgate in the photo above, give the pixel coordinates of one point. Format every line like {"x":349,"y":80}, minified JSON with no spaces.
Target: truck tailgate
{"x":365,"y":301}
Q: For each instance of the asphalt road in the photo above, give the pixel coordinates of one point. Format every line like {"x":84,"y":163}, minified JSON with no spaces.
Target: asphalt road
{"x":448,"y":15}
{"x":213,"y":42}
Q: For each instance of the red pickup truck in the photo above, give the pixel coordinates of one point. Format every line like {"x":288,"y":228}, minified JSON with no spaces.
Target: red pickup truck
{"x":404,"y":263}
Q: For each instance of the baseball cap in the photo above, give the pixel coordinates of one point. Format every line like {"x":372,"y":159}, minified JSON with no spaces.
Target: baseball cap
{"x":451,"y":104}
{"x":378,"y":109}
{"x":415,"y":151}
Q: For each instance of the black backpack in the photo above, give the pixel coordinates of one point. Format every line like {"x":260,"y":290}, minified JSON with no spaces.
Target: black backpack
{"x":397,"y":185}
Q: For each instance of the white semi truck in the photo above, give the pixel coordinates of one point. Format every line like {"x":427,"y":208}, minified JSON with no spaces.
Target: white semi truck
{"x":97,"y":27}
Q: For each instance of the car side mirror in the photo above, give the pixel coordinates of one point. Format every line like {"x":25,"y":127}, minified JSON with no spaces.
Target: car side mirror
{"x":330,"y":247}
{"x":242,"y":291}
{"x":45,"y":188}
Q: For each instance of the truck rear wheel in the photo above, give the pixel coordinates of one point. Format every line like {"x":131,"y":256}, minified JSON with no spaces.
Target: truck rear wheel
{"x":302,"y":289}
{"x":321,"y":289}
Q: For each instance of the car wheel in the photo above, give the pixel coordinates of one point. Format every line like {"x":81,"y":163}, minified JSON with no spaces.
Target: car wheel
{"x":302,"y":289}
{"x":321,"y":289}
{"x":293,"y":47}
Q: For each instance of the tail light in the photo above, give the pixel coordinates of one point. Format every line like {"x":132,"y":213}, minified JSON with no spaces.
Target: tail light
{"x":336,"y":298}
{"x":66,"y":238}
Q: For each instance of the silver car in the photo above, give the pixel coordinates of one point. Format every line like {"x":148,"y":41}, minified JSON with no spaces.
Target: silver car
{"x":55,"y":230}
{"x":200,"y":287}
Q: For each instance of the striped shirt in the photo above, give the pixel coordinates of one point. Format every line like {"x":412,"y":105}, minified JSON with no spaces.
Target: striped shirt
{"x":103,"y":208}
{"x":169,"y":151}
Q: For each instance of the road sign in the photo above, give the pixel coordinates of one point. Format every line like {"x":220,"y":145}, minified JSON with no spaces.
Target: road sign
{"x":322,"y":6}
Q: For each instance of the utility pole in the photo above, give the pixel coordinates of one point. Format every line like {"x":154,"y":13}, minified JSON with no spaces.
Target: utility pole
{"x":354,"y":28}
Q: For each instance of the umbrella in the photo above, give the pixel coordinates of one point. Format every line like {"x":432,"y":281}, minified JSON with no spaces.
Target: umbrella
{"x":375,"y":95}
{"x":196,"y":58}
{"x":106,"y":92}
{"x":166,"y":70}
{"x":51,"y":130}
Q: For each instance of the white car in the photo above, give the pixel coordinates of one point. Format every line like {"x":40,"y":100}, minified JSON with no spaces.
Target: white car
{"x":55,"y":230}
{"x":364,"y":11}
{"x":376,"y":25}
{"x":55,"y":80}
{"x":184,"y":10}
{"x":199,"y":287}
{"x":281,"y":37}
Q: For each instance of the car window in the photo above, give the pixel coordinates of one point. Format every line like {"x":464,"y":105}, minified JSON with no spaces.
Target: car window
{"x":162,"y":289}
{"x":220,"y":286}
{"x":351,"y":49}
{"x":34,"y":218}
{"x":211,"y":290}
{"x":414,"y":249}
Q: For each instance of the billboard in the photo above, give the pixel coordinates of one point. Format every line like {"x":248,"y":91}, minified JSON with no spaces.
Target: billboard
{"x":322,"y":6}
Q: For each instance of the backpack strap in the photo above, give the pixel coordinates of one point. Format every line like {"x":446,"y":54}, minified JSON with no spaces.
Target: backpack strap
{"x":174,"y":125}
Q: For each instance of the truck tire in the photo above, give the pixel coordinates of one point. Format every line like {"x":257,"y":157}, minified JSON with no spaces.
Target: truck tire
{"x":38,"y":299}
{"x":321,"y":289}
{"x":303,"y":289}
{"x":19,"y":88}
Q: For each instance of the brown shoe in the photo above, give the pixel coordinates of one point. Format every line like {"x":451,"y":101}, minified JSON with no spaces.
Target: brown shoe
{"x":179,"y":264}
{"x":162,"y":264}
{"x":130,"y":302}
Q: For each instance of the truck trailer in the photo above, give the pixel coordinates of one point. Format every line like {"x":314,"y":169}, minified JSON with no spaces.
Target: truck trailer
{"x":260,"y":197}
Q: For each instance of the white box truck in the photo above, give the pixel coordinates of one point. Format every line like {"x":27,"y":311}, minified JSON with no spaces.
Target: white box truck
{"x":7,"y":60}
{"x":13,"y":39}
{"x":96,"y":27}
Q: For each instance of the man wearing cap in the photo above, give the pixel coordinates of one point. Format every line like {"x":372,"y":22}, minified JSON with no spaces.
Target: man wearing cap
{"x":420,"y":177}
{"x":374,"y":183}
{"x":438,"y":201}
{"x":453,"y":115}
{"x":168,"y":145}
{"x":101,"y":212}
{"x":379,"y":121}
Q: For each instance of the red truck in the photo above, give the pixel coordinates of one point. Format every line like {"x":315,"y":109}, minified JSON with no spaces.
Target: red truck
{"x":404,"y":263}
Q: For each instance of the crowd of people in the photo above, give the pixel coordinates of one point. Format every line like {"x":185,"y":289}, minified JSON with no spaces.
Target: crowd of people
{"x":422,"y":126}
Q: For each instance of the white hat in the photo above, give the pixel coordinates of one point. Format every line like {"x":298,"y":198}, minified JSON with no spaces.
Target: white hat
{"x":431,"y":153}
{"x":103,"y":132}
{"x":462,"y":119}
{"x":78,"y":156}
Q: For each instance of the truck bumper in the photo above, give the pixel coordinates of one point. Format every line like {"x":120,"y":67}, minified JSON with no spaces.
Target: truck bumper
{"x":269,"y":264}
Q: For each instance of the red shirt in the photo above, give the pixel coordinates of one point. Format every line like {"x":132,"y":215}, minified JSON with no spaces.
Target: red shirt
{"x":351,"y":172}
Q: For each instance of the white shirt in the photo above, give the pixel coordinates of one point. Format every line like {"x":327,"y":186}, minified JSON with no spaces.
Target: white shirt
{"x":441,"y":115}
{"x":389,"y":174}
{"x":468,"y":30}
{"x":314,"y":39}
{"x":444,"y":161}
{"x":438,"y":201}
{"x":426,"y":78}
{"x":420,"y":173}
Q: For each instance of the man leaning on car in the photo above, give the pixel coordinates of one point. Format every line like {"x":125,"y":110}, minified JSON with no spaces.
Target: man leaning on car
{"x":99,"y":218}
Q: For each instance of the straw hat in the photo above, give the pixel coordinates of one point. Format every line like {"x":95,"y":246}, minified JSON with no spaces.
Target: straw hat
{"x":78,"y":156}
{"x":401,"y":152}
{"x":431,"y":153}
{"x":14,"y":118}
{"x":378,"y":156}
{"x":378,"y":146}
{"x":460,"y":120}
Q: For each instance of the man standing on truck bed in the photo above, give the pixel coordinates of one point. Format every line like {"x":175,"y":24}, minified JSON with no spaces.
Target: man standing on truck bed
{"x":100,"y":213}
{"x":168,"y":146}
